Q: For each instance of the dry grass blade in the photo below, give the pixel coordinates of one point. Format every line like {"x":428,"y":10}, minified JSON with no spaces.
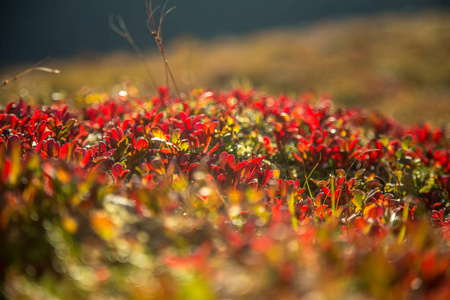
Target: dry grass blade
{"x":312,"y":171}
{"x":48,"y":70}
{"x":35,"y":67}
{"x":124,"y":32}
{"x":156,"y":31}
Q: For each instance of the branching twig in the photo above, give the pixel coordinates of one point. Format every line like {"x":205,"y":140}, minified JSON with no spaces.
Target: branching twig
{"x":156,"y":32}
{"x":123,"y":32}
{"x":35,"y":67}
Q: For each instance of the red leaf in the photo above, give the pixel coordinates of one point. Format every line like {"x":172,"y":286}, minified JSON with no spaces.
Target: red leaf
{"x":231,"y":161}
{"x":156,"y":119}
{"x":297,"y":157}
{"x":321,"y":209}
{"x":183,"y":116}
{"x":102,"y":148}
{"x":209,"y":129}
{"x":13,"y":144}
{"x":116,"y":171}
{"x":223,"y":159}
{"x":192,"y":167}
{"x":115,"y":134}
{"x":241,"y":165}
{"x":86,"y":158}
{"x":124,"y":174}
{"x":166,"y":151}
{"x":213,"y":149}
{"x":142,"y":143}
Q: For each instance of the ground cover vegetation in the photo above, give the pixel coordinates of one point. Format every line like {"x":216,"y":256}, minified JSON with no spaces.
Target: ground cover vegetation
{"x":232,"y":194}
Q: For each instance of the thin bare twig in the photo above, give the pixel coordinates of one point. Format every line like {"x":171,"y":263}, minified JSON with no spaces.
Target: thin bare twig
{"x":35,"y":67}
{"x":356,"y":158}
{"x":156,"y":32}
{"x":123,"y":32}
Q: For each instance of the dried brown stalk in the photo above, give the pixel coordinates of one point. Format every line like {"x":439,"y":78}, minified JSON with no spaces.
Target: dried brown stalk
{"x":35,"y":67}
{"x":155,"y":29}
{"x":123,"y":32}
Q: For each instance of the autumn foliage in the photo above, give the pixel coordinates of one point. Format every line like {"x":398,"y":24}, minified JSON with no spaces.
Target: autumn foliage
{"x":213,"y":195}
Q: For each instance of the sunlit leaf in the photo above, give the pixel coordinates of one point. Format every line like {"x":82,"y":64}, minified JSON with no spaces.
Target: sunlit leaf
{"x":321,"y":209}
{"x":158,"y":166}
{"x":141,"y":143}
{"x":175,"y":137}
{"x":158,"y":133}
{"x":407,"y":142}
{"x":358,"y":197}
{"x":65,"y":129}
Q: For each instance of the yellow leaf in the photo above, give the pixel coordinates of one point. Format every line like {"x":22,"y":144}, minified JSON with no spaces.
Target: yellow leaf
{"x":158,"y":133}
{"x":175,"y":137}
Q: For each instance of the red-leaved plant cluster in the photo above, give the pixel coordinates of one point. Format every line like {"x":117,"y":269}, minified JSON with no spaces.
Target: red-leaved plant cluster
{"x":249,"y":196}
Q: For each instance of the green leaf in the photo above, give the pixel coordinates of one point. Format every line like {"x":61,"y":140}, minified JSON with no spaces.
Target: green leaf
{"x":175,"y":137}
{"x":121,"y":147}
{"x":65,"y":130}
{"x":425,"y":189}
{"x":407,"y":142}
{"x":184,"y":146}
{"x":359,"y":173}
{"x":384,"y":141}
{"x":340,"y":173}
{"x":358,"y":197}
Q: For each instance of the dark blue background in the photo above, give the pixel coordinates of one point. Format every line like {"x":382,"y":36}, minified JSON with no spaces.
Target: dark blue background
{"x":33,"y":29}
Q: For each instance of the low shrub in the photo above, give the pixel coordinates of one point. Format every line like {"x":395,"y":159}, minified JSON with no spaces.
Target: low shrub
{"x":232,"y":194}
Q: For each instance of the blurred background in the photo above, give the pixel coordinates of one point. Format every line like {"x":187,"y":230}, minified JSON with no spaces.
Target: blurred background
{"x":387,"y":55}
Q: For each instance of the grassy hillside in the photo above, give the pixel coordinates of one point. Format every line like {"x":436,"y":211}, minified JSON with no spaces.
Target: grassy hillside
{"x":395,"y":63}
